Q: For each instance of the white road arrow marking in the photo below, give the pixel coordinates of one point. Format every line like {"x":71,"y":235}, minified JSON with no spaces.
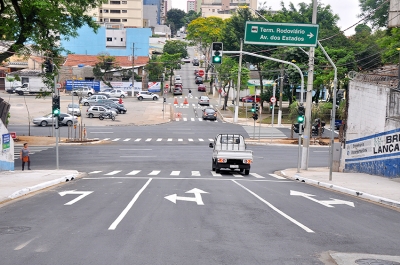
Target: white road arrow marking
{"x":82,"y":195}
{"x":310,"y":35}
{"x":324,"y":203}
{"x":197,"y":197}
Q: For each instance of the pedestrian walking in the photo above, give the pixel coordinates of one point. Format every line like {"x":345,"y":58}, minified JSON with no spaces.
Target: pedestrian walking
{"x":24,"y":155}
{"x":190,"y":94}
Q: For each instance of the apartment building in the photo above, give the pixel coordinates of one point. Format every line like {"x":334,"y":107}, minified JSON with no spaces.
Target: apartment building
{"x":128,"y":12}
{"x":218,"y":7}
{"x":191,"y":6}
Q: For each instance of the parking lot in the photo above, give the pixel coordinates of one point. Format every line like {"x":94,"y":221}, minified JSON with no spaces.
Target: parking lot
{"x":25,"y":108}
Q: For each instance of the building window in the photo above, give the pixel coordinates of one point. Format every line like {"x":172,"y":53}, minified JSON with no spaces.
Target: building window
{"x":213,"y":10}
{"x":115,"y":20}
{"x":105,"y":10}
{"x":115,"y":11}
{"x":124,"y":2}
{"x":101,"y":11}
{"x":106,"y":20}
{"x":109,"y":39}
{"x":124,"y":11}
{"x":122,"y":39}
{"x":124,"y":20}
{"x":115,"y":2}
{"x":101,"y":20}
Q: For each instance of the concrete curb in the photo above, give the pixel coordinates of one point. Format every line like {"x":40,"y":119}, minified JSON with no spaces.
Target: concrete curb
{"x":355,"y":193}
{"x":43,"y":185}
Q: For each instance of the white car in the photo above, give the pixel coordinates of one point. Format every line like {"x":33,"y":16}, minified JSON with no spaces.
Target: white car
{"x":146,"y":95}
{"x":49,"y":119}
{"x":118,"y":93}
{"x":74,"y":109}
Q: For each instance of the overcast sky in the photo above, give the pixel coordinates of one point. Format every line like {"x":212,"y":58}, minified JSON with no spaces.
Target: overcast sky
{"x":346,"y":9}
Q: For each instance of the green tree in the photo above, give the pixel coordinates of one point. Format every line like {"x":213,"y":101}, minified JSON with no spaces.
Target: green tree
{"x":41,"y":23}
{"x":379,"y":10}
{"x":171,"y":63}
{"x":175,"y":47}
{"x":101,"y":70}
{"x":190,"y":16}
{"x":175,"y":18}
{"x":155,"y":68}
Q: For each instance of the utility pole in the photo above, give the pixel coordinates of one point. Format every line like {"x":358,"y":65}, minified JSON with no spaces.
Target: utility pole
{"x":307,"y":129}
{"x":280,"y":96}
{"x":238,"y":85}
{"x":133,"y":69}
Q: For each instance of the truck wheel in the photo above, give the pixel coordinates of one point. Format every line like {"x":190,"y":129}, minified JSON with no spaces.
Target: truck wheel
{"x":212,"y":165}
{"x":247,"y":171}
{"x":20,"y":93}
{"x":217,"y":170}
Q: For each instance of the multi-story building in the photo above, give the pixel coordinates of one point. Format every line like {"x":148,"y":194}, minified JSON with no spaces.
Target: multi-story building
{"x":160,"y":6}
{"x":128,"y":12}
{"x":191,"y":6}
{"x":218,"y":7}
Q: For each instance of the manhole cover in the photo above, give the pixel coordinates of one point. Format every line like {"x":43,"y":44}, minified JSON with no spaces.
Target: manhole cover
{"x":376,"y":262}
{"x":13,"y":230}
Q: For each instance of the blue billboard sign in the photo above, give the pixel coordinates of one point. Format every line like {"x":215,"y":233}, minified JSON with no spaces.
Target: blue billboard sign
{"x":82,"y":83}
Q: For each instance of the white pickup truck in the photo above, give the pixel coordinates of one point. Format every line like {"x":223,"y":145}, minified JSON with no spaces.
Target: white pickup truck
{"x":229,"y":152}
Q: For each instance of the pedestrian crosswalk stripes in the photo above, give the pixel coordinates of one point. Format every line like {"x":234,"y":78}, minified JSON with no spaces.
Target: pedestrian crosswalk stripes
{"x":194,"y":119}
{"x":32,"y":149}
{"x":157,"y":140}
{"x":177,"y":173}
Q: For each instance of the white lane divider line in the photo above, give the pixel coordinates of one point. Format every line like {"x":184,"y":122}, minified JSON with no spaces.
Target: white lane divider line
{"x":169,"y":140}
{"x":177,"y":119}
{"x":106,"y":139}
{"x":184,"y":119}
{"x":154,"y":173}
{"x":196,"y":173}
{"x":257,"y":176}
{"x":133,"y":172}
{"x":192,"y":119}
{"x":215,"y":174}
{"x":94,"y":172}
{"x":138,"y":139}
{"x":237,"y":176}
{"x":159,"y":139}
{"x":201,"y":140}
{"x":211,"y":140}
{"x":175,"y":173}
{"x":116,"y":139}
{"x":276,"y":176}
{"x":190,"y":140}
{"x":128,"y":207}
{"x":148,"y":139}
{"x":200,"y":119}
{"x":180,"y":140}
{"x":127,"y":139}
{"x":276,"y":209}
{"x":113,"y":173}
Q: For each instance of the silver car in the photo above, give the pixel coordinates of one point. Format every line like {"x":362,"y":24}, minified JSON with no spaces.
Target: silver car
{"x":84,"y":92}
{"x":204,"y":100}
{"x":65,"y":119}
{"x":94,"y":111}
{"x":74,"y":109}
{"x":93,"y":99}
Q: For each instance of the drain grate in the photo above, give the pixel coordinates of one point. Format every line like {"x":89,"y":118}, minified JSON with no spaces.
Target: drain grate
{"x":376,"y":262}
{"x":9,"y":230}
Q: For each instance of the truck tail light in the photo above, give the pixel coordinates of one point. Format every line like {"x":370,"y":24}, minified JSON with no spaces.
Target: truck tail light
{"x":247,"y":161}
{"x":222,"y":160}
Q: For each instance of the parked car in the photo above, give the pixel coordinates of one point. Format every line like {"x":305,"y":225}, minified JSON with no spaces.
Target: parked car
{"x":94,"y":111}
{"x":116,"y":100}
{"x":93,"y":99}
{"x":49,"y":119}
{"x":201,"y":87}
{"x":118,"y":93}
{"x":118,"y":107}
{"x":186,"y":60}
{"x":74,"y":109}
{"x":84,"y":92}
{"x":146,"y":95}
{"x":209,"y":114}
{"x":196,"y":62}
{"x":106,"y":91}
{"x":204,"y":100}
{"x":251,"y":98}
{"x":196,"y":72}
{"x":199,"y":80}
{"x":178,"y":79}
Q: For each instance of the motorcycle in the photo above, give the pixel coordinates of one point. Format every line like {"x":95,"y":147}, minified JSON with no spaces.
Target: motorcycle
{"x":316,"y":127}
{"x":107,"y":115}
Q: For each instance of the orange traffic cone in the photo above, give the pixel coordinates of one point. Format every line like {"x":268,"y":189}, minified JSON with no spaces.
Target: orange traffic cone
{"x":185,"y":102}
{"x":175,"y":101}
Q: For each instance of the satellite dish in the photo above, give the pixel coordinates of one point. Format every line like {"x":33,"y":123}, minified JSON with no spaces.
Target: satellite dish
{"x":352,"y":74}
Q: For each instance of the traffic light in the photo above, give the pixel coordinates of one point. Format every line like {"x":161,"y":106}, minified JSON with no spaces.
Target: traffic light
{"x":56,"y":106}
{"x":253,"y":107}
{"x":285,"y":79}
{"x":257,"y":108}
{"x":217,"y":48}
{"x":300,"y":112}
{"x":48,"y":66}
{"x":255,"y":116}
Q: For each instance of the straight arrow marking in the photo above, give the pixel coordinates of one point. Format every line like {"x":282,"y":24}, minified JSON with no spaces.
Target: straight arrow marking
{"x":82,"y":195}
{"x":325,"y":203}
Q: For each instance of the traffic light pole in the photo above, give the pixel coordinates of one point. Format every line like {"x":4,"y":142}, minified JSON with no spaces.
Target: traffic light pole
{"x":238,"y":83}
{"x":57,"y":94}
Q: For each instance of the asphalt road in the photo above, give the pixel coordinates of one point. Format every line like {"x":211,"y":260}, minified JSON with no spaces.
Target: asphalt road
{"x":125,"y":218}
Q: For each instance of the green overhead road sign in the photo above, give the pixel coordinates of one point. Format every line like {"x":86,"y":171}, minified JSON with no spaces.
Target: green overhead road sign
{"x":281,"y":34}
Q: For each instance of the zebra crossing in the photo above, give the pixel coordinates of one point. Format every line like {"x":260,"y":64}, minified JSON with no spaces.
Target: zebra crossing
{"x":32,"y":149}
{"x":158,"y":140}
{"x":195,"y":106}
{"x":194,"y":119}
{"x":178,"y":173}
